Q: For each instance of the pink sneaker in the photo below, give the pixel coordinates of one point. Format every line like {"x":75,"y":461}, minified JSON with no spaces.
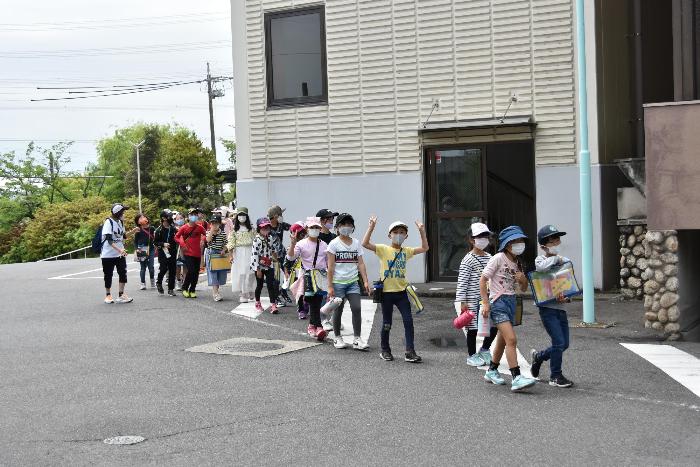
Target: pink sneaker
{"x":311,"y":330}
{"x":273,"y":309}
{"x":258,"y":306}
{"x":320,"y":334}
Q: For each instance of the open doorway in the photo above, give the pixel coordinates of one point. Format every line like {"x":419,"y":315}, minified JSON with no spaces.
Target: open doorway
{"x":493,"y":183}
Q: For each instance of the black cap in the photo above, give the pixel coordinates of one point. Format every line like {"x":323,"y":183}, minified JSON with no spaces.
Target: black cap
{"x":194,"y":211}
{"x":344,"y":218}
{"x":326,"y":213}
{"x":547,"y":232}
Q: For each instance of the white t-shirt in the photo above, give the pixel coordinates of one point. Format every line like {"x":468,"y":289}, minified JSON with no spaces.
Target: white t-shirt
{"x":346,"y":258}
{"x":117,"y":233}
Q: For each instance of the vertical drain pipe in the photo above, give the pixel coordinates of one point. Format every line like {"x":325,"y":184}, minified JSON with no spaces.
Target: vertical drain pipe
{"x":584,"y":163}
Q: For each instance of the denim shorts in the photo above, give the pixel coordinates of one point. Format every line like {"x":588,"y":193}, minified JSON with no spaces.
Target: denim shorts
{"x":341,"y":290}
{"x":503,"y":309}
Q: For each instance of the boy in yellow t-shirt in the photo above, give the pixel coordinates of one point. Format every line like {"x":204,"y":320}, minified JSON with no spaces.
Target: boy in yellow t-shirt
{"x":392,"y":270}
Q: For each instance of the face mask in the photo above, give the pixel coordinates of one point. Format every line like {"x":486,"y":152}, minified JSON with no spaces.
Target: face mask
{"x":398,"y":238}
{"x":179,"y":221}
{"x":242,"y":218}
{"x":346,"y":231}
{"x":194,"y":218}
{"x":314,"y":233}
{"x":481,"y":243}
{"x":329,"y":226}
{"x":517,"y":249}
{"x":554,"y":249}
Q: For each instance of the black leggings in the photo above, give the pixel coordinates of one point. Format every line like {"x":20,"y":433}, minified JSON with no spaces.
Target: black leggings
{"x":167,"y":266}
{"x":471,"y":340}
{"x":108,"y":265}
{"x":355,"y":301}
{"x":192,"y":264}
{"x":268,"y":276}
{"x":314,"y":309}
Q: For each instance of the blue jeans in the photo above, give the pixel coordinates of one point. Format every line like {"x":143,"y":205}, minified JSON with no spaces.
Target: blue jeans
{"x":147,"y":264}
{"x":557,"y":326}
{"x":400,"y":299}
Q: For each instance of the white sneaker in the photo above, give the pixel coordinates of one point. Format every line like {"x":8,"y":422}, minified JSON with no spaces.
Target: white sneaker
{"x":242,"y":299}
{"x":109,"y":299}
{"x":179,"y":286}
{"x":327,"y":325}
{"x":359,"y":344}
{"x":218,"y":298}
{"x":124,"y":299}
{"x":339,"y":343}
{"x":143,"y":286}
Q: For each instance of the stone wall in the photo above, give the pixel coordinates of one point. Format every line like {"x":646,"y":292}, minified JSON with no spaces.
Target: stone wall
{"x":661,"y":282}
{"x":649,"y":271}
{"x":632,"y":261}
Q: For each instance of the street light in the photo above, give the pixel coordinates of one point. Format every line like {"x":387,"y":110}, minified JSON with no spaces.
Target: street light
{"x":138,"y":170}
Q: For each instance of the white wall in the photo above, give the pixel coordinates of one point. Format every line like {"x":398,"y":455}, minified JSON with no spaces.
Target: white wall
{"x":389,"y":196}
{"x":558,"y":203}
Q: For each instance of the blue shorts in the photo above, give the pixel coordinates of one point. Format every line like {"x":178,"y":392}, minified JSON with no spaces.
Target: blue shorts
{"x":341,"y":290}
{"x":503,"y":310}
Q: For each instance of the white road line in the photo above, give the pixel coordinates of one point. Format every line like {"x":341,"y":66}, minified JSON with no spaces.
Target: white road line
{"x":503,"y":364}
{"x":70,"y":276}
{"x":679,"y":365}
{"x":248,"y":309}
{"x":368,"y":310}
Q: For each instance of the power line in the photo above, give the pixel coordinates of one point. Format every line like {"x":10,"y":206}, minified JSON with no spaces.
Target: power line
{"x":140,"y":49}
{"x":120,"y":85}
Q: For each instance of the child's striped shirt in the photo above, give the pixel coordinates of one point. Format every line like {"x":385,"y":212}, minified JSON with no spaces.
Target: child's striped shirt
{"x":468,"y":281}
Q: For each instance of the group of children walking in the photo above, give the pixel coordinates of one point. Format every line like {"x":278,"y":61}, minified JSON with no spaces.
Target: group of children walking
{"x":487,"y":285}
{"x":324,"y":264}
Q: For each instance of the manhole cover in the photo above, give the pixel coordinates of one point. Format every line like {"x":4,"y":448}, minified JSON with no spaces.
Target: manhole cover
{"x":124,"y":440}
{"x":250,"y":347}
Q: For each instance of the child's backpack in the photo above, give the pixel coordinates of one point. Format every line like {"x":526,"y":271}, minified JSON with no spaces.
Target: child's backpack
{"x":97,"y":240}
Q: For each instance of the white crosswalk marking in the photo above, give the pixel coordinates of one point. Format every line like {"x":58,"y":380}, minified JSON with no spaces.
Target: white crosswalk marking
{"x":369,"y":309}
{"x":248,"y":309}
{"x":503,"y":366}
{"x":679,"y":365}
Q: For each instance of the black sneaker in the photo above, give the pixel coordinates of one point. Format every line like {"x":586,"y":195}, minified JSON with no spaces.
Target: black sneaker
{"x":386,"y":356}
{"x":412,"y":357}
{"x":561,"y":382}
{"x":159,"y":286}
{"x":171,"y":293}
{"x":536,"y":363}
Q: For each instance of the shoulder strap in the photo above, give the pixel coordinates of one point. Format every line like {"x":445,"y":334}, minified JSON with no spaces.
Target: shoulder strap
{"x":391,"y":265}
{"x":318,"y":245}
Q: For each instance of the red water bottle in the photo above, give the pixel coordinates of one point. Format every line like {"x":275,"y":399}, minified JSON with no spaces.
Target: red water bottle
{"x":463,"y":320}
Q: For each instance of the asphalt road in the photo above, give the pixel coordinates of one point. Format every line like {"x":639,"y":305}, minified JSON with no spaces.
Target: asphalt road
{"x":76,"y":371}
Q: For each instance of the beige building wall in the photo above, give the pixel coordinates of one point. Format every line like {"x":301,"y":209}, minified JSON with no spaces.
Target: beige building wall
{"x":389,"y":60}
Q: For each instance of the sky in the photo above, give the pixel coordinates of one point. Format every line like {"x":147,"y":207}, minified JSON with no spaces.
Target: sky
{"x":71,"y":43}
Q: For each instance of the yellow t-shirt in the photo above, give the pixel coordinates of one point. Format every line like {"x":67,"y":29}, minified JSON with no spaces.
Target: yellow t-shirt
{"x":396,"y":279}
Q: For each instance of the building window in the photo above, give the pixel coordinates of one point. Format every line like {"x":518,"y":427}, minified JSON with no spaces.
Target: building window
{"x":295,"y":50}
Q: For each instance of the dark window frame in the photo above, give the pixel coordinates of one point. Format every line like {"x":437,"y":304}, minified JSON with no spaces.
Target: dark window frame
{"x":273,"y":103}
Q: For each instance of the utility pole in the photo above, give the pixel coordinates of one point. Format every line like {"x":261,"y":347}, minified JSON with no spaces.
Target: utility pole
{"x":211,"y":111}
{"x":584,"y":164}
{"x":138,"y":170}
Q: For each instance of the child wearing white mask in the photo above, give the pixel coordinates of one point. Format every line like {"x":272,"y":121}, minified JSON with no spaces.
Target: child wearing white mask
{"x":468,"y":294}
{"x":240,"y":243}
{"x":553,"y":315}
{"x":499,"y":281}
{"x":392,"y":270}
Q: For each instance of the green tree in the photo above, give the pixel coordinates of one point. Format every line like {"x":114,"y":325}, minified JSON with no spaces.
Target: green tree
{"x":230,"y":146}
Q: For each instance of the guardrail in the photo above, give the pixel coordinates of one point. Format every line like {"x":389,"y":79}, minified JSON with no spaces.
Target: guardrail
{"x":69,"y":254}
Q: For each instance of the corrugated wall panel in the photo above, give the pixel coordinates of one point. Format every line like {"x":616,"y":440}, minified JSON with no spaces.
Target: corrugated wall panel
{"x":387,"y":62}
